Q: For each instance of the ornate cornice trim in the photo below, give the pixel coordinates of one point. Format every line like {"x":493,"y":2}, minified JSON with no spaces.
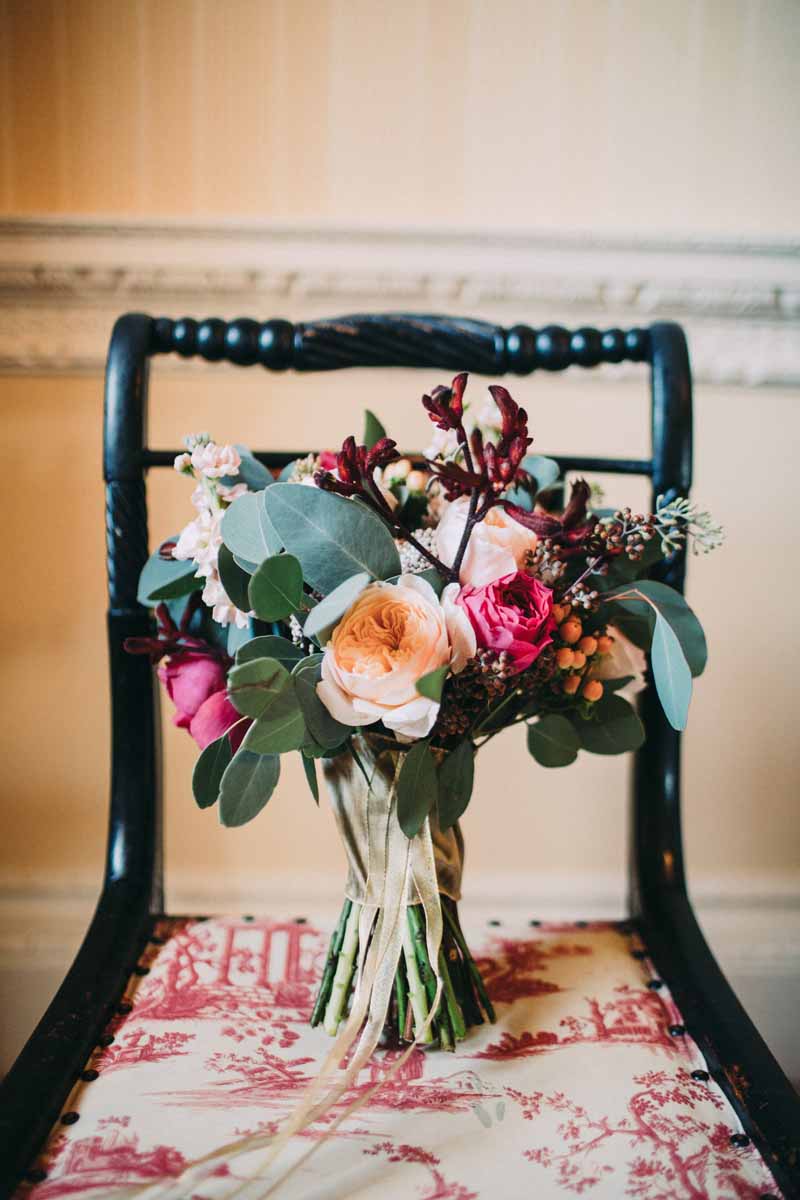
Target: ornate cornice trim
{"x":63,"y":282}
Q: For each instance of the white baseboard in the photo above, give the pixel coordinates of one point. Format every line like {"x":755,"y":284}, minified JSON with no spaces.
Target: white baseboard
{"x":752,"y":920}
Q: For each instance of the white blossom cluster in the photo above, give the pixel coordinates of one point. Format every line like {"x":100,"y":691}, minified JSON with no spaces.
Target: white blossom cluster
{"x":200,"y":540}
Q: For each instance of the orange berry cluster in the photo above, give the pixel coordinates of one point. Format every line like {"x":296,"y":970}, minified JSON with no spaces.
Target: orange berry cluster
{"x":576,"y":655}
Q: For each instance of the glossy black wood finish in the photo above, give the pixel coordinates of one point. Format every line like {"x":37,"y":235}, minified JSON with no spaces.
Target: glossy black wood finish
{"x":35,"y":1089}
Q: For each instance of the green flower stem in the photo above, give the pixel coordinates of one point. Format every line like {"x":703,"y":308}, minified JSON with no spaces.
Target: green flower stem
{"x":401,"y":997}
{"x":451,"y":916}
{"x":453,"y":1007}
{"x":428,"y":976}
{"x":330,"y":964}
{"x":416,"y":989}
{"x":344,"y":972}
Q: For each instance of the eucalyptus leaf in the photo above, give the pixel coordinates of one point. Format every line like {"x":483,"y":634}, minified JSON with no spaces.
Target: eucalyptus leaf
{"x":544,"y":470}
{"x":456,"y":777}
{"x":614,"y":727}
{"x":671,"y":674}
{"x":647,"y":598}
{"x":208,"y":771}
{"x":283,"y":729}
{"x":417,"y":788}
{"x":262,"y":689}
{"x":430,"y":575}
{"x":324,"y":618}
{"x":247,"y":784}
{"x":553,"y":741}
{"x":325,"y":731}
{"x":252,"y":472}
{"x":256,"y":685}
{"x":431,"y":685}
{"x":373,"y":429}
{"x":249,"y":567}
{"x":333,"y":537}
{"x":233,"y":578}
{"x":246,"y":532}
{"x":166,"y":578}
{"x":616,"y":685}
{"x":237,"y":638}
{"x":270,"y":646}
{"x":310,"y":770}
{"x":276,"y":589}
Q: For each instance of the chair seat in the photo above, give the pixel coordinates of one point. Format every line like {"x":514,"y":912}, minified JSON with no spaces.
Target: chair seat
{"x":587,"y":1084}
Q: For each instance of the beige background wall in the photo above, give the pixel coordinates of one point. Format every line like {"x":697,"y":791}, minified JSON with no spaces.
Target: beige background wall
{"x":594,"y":115}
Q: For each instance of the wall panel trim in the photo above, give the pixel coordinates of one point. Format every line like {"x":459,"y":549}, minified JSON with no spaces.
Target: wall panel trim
{"x":63,"y":282}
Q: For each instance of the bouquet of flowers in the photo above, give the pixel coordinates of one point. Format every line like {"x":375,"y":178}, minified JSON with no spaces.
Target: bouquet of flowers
{"x":384,"y":618}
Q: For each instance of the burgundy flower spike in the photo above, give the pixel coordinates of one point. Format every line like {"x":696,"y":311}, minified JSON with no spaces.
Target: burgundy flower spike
{"x":355,"y":466}
{"x":488,"y":468}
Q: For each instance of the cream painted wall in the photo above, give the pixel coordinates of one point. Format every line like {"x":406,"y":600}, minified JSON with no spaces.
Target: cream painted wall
{"x":588,"y":114}
{"x":621,"y":115}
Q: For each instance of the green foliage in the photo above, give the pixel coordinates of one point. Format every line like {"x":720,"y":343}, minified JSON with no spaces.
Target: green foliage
{"x":208,"y":771}
{"x":238,"y":637}
{"x":616,"y":685}
{"x":323,"y":730}
{"x":417,"y":787}
{"x":310,"y":771}
{"x":671,"y":673}
{"x":247,"y":532}
{"x":657,"y":616}
{"x":613,"y":727}
{"x":553,"y":741}
{"x":166,"y":578}
{"x":431,"y":685}
{"x":252,"y":472}
{"x":544,"y":470}
{"x":373,"y":429}
{"x":456,"y":777}
{"x":247,"y":784}
{"x":270,"y":646}
{"x":333,"y":537}
{"x":646,"y":599}
{"x":323,"y":619}
{"x":262,"y":689}
{"x":234,"y":579}
{"x":276,"y":589}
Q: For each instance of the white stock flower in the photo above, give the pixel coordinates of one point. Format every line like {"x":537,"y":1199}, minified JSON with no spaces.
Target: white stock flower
{"x":214,"y":461}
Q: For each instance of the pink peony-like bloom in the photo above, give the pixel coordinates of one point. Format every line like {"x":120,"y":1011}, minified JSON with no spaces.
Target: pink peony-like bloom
{"x":195,"y":682}
{"x":514,"y":614}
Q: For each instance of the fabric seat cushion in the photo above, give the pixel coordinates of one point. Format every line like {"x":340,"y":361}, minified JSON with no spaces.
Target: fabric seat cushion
{"x":587,"y":1084}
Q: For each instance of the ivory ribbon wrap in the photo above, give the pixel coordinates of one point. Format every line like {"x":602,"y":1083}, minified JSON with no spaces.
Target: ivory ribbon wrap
{"x":387,"y":872}
{"x":355,"y":804}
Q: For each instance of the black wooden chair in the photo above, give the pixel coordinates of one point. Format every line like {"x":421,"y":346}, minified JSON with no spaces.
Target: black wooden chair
{"x":34,"y":1092}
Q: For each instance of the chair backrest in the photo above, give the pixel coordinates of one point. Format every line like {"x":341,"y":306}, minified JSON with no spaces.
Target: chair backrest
{"x":386,"y":340}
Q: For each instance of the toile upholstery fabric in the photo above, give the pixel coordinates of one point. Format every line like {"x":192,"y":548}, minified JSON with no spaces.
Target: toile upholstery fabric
{"x":584,"y":1087}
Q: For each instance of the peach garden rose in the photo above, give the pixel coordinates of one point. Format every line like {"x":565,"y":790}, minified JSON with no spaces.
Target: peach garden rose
{"x":497,"y":546}
{"x":391,"y":636}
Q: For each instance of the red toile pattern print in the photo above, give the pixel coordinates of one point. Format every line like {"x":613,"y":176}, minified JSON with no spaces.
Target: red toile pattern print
{"x":659,"y":1130}
{"x":580,"y":1089}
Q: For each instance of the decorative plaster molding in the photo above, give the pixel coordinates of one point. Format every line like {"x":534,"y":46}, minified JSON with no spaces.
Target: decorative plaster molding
{"x":63,"y":282}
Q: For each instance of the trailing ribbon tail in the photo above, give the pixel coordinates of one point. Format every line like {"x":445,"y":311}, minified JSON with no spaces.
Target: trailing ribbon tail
{"x":397,"y":870}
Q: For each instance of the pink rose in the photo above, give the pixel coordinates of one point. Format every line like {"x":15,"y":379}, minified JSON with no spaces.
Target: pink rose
{"x":195,"y":683}
{"x":514,"y":614}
